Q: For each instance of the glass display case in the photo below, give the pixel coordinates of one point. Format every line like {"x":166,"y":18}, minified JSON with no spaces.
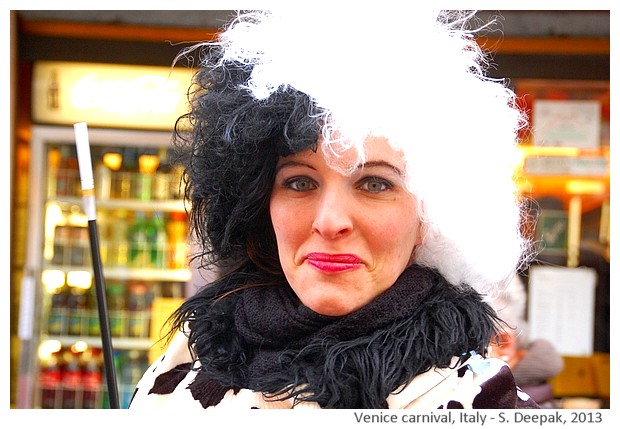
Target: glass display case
{"x":142,"y":226}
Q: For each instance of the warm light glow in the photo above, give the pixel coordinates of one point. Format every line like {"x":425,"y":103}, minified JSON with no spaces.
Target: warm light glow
{"x":47,"y":348}
{"x":585,"y":187}
{"x":79,"y":279}
{"x":79,"y":347}
{"x":148,"y":163}
{"x":531,"y":150}
{"x":113,"y":160}
{"x":52,"y":280}
{"x":145,"y":94}
{"x":53,"y":218}
{"x":114,"y":95}
{"x":77,"y":217}
{"x":53,"y":158}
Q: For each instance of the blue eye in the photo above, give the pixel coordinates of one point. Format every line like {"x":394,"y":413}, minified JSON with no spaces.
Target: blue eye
{"x":300,"y":184}
{"x":375,"y":184}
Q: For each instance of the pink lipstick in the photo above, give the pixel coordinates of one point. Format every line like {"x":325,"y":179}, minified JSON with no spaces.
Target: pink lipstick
{"x":333,"y":263}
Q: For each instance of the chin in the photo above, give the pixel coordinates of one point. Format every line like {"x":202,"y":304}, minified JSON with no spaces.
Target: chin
{"x":330,"y":308}
{"x":328,"y":298}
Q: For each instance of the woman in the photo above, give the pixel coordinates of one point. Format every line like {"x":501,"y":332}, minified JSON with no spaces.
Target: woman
{"x":358,"y":221}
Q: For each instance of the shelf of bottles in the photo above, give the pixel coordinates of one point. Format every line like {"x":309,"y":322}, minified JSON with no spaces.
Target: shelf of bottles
{"x":142,"y":228}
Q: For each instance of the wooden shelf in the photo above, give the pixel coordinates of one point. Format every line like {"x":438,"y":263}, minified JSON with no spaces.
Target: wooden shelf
{"x":547,"y":45}
{"x":125,"y":32}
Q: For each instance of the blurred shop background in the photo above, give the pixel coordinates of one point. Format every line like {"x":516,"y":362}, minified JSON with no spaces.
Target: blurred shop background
{"x":113,"y":70}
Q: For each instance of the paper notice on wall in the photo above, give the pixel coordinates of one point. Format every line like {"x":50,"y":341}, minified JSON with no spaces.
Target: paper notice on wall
{"x":567,"y":123}
{"x":561,"y":308}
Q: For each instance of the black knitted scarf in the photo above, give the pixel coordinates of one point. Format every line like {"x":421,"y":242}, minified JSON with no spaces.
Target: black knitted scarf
{"x":280,"y":347}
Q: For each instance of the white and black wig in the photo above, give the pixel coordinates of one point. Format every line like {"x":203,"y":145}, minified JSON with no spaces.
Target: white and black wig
{"x":281,"y":83}
{"x":275,"y":82}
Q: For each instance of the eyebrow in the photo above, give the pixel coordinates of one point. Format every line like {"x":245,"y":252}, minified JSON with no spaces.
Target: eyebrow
{"x":369,"y":164}
{"x":382,"y":164}
{"x":292,"y":163}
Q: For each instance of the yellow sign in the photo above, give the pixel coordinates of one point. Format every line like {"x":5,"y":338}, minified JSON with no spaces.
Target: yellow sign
{"x":109,"y":95}
{"x":161,"y":309}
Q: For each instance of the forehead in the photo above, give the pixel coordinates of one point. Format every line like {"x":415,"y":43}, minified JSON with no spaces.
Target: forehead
{"x":346,"y":157}
{"x":380,"y":148}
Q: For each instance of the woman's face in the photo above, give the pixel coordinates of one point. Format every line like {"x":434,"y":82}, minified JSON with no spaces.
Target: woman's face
{"x":343,"y":240}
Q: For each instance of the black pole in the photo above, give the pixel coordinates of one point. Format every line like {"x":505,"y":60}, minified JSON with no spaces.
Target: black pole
{"x":104,"y":320}
{"x":88,"y":196}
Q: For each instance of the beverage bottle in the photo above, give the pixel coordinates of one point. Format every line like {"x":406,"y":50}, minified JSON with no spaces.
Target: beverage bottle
{"x":116,"y":308}
{"x":103,"y":182}
{"x":178,"y":244}
{"x":103,"y":228}
{"x":92,"y":378}
{"x":79,"y":251}
{"x":134,"y":365}
{"x":57,"y":317}
{"x":143,"y":186}
{"x":62,"y":245}
{"x":128,"y":173}
{"x":138,"y":310}
{"x":118,"y":246}
{"x":67,"y":181}
{"x":161,"y":178}
{"x":50,"y":381}
{"x":177,"y":189}
{"x":148,"y":162}
{"x":141,"y":236}
{"x":159,"y":242}
{"x":112,"y":159}
{"x":71,"y":381}
{"x":92,"y":311}
{"x":53,"y":163}
{"x":171,"y":289}
{"x":76,"y":307}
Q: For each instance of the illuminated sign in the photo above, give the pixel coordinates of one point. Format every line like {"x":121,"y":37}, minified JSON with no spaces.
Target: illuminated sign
{"x":109,"y":95}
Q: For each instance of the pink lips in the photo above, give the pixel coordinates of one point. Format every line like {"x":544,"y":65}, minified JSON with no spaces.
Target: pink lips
{"x":333,"y":263}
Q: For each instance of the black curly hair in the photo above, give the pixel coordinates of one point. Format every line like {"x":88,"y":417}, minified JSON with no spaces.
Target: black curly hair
{"x":230,"y":157}
{"x":229,"y":143}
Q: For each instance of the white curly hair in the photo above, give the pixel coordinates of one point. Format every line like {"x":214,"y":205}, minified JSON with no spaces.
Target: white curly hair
{"x":420,"y":82}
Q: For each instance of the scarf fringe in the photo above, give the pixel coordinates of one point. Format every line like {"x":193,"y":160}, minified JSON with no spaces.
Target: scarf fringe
{"x":355,"y":373}
{"x":361,"y":373}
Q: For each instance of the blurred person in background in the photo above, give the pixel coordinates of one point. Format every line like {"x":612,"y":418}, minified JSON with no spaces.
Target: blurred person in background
{"x":533,"y":361}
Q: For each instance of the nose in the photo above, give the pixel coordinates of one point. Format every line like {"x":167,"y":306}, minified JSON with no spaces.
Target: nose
{"x":333,"y":216}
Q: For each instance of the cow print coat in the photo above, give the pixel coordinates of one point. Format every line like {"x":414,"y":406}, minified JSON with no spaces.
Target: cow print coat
{"x":421,"y":344}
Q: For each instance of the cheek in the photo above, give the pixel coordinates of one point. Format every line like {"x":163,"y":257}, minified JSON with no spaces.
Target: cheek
{"x":287,"y":223}
{"x":396,"y":244}
{"x":279,"y":226}
{"x":397,"y":232}
{"x":276,"y":219}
